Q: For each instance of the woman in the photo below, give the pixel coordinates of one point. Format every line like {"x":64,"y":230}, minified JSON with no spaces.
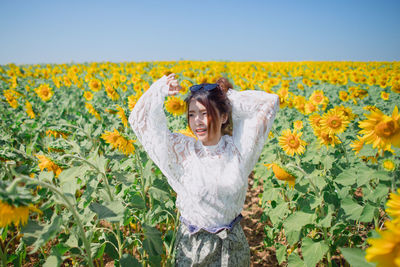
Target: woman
{"x":209,"y":174}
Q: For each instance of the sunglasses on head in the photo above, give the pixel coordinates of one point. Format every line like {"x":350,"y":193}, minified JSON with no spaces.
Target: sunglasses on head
{"x":204,"y":86}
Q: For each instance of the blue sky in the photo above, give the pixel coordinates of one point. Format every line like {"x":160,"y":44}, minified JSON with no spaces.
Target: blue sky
{"x":119,"y":31}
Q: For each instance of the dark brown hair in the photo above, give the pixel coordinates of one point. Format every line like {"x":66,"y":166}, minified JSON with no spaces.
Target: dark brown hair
{"x":214,"y":100}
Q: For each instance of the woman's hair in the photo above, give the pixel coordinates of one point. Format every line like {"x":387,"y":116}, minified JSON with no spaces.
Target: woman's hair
{"x":214,"y":100}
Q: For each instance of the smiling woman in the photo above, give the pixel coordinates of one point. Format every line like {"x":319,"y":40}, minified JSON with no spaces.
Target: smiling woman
{"x":210,"y":173}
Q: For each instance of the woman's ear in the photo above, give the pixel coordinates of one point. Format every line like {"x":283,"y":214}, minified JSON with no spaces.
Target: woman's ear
{"x":224,"y":118}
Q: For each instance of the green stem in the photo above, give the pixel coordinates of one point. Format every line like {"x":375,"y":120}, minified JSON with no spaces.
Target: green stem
{"x":344,"y":151}
{"x":142,"y":189}
{"x":3,"y":257}
{"x":305,"y":175}
{"x":69,"y":206}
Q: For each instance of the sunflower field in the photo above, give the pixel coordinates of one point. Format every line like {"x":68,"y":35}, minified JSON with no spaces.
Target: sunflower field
{"x":77,"y":188}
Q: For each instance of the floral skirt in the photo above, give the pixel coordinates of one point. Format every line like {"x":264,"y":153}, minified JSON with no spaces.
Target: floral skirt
{"x":225,"y":248}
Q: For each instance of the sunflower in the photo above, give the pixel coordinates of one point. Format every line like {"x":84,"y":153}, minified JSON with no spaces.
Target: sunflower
{"x":315,"y":121}
{"x":111,"y":93}
{"x":381,"y":130}
{"x":326,"y":139}
{"x":298,"y":125}
{"x":116,"y":140}
{"x":385,"y":96}
{"x":10,"y":97}
{"x":95,"y":85}
{"x":88,"y":95}
{"x":188,"y":132}
{"x":121,"y":114}
{"x":46,"y":163}
{"x":333,"y":122}
{"x":357,"y":145}
{"x":29,"y":109}
{"x":15,"y":215}
{"x":299,"y":103}
{"x":44,"y":91}
{"x":58,"y":133}
{"x":291,"y":142}
{"x":132,"y":100}
{"x":396,"y":87}
{"x":385,"y":249}
{"x":393,"y":205}
{"x":344,"y":96}
{"x":92,"y":110}
{"x":309,"y":107}
{"x":318,"y":98}
{"x":388,"y":165}
{"x":175,"y":105}
{"x":347,"y":112}
{"x":282,"y":173}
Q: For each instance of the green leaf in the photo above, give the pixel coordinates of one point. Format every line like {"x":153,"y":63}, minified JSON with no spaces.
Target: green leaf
{"x":129,"y":261}
{"x":137,"y":201}
{"x":351,"y":209}
{"x":281,"y":253}
{"x":52,"y":261}
{"x":294,"y":260}
{"x":297,"y":220}
{"x":68,"y":181}
{"x":277,"y":213}
{"x":355,"y":257}
{"x":367,"y":214}
{"x":271,"y":194}
{"x":38,"y":235}
{"x":348,"y":177}
{"x":152,"y":242}
{"x":112,"y":212}
{"x":313,"y":252}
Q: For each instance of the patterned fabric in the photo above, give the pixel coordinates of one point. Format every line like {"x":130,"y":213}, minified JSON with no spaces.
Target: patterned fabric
{"x":210,"y":181}
{"x":225,"y":248}
{"x":194,"y":228}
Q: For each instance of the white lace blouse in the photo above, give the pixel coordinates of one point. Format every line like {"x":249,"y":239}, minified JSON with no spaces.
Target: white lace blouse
{"x":210,"y":181}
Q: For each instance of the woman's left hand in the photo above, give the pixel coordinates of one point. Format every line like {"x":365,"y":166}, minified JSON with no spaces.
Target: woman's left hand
{"x":173,"y":84}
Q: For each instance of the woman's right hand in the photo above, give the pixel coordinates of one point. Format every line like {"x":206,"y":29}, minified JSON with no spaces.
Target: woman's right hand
{"x":173,"y":84}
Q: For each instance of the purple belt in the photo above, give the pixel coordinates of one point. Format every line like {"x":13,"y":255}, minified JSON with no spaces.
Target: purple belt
{"x":194,"y":229}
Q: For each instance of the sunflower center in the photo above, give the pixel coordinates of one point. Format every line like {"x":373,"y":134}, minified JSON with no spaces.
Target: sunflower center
{"x":334,"y":122}
{"x":385,"y":129}
{"x":293,"y":142}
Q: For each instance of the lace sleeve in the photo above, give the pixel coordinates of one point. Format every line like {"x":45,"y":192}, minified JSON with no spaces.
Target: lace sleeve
{"x":253,"y":113}
{"x":148,"y":121}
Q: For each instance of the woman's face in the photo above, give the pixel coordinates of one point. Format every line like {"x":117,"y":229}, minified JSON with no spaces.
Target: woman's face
{"x":198,"y":122}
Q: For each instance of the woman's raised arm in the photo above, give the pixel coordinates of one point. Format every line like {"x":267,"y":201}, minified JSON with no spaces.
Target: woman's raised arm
{"x":168,"y":150}
{"x":253,"y":113}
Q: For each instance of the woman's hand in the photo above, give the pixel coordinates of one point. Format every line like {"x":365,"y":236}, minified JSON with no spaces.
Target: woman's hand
{"x":173,"y":84}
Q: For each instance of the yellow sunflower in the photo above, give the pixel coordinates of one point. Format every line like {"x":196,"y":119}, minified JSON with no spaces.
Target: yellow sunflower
{"x":318,"y":98}
{"x":111,"y":93}
{"x":92,"y":110}
{"x":188,"y":132}
{"x":347,"y":112}
{"x":388,"y":165}
{"x":44,"y":91}
{"x":326,"y":139}
{"x":385,"y":96}
{"x":116,"y":140}
{"x":291,"y":142}
{"x":357,"y":145}
{"x":121,"y":114}
{"x":385,"y":249}
{"x":344,"y":96}
{"x":381,"y":130}
{"x":46,"y":163}
{"x":393,"y":205}
{"x":298,"y":125}
{"x":315,"y":121}
{"x":309,"y":107}
{"x":29,"y":110}
{"x":95,"y":85}
{"x":9,"y":95}
{"x":175,"y":105}
{"x":333,"y":122}
{"x":132,"y":99}
{"x":282,"y":173}
{"x":88,"y":95}
{"x":10,"y":214}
